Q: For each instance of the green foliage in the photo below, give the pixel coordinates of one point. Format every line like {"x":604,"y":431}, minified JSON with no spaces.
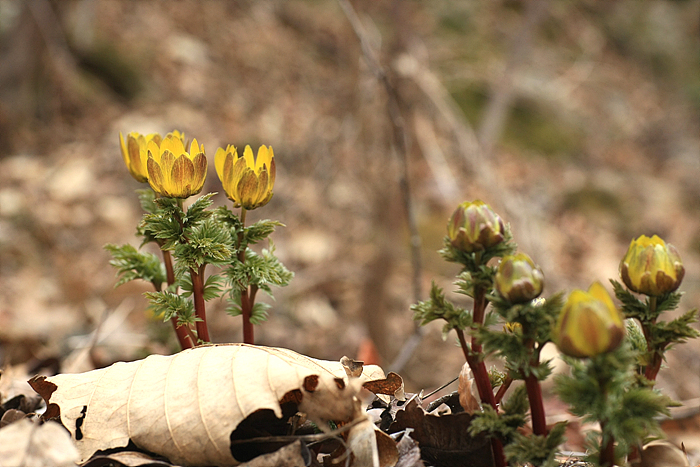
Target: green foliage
{"x":632,"y":307}
{"x":213,"y":286}
{"x":521,"y":348}
{"x":147,"y":198}
{"x":605,"y":389}
{"x":259,"y":313}
{"x":659,"y":335}
{"x":667,"y":333}
{"x":505,"y":425}
{"x":481,"y":279}
{"x":261,"y":270}
{"x":164,"y":225}
{"x":438,"y":307}
{"x":198,"y":237}
{"x":536,"y":450}
{"x":205,"y":243}
{"x":472,"y":261}
{"x":170,"y":305}
{"x":132,"y":264}
{"x":260,"y":231}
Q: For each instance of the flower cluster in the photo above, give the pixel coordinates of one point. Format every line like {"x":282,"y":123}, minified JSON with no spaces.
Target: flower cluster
{"x":174,"y":171}
{"x":611,"y":375}
{"x":193,"y":238}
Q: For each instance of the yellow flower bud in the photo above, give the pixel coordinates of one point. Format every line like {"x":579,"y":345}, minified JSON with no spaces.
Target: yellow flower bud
{"x":518,"y":280}
{"x":589,"y":323}
{"x":651,"y":266}
{"x":135,"y":153}
{"x":247,"y":181}
{"x":475,"y":227}
{"x":173,"y":172}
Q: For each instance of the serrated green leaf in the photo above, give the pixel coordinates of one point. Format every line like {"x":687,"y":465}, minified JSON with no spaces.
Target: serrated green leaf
{"x":259,"y":231}
{"x":132,"y":264}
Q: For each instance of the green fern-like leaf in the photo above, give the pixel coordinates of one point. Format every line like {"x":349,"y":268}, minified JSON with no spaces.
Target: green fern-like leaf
{"x":171,"y":305}
{"x":132,"y":264}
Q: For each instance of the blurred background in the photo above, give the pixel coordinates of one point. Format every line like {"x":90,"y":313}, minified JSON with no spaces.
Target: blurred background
{"x":576,"y":120}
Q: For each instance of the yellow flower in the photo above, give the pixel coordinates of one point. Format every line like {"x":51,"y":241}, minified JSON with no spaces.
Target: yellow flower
{"x":247,"y":181}
{"x":475,"y":227}
{"x":173,"y":172}
{"x":589,"y":323}
{"x":518,"y":280}
{"x":651,"y":266}
{"x":135,"y":153}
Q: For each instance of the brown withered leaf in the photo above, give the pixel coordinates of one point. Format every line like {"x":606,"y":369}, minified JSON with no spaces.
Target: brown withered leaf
{"x":662,"y":453}
{"x":188,"y":407}
{"x":443,"y":440}
{"x":392,"y":385}
{"x":467,"y":399}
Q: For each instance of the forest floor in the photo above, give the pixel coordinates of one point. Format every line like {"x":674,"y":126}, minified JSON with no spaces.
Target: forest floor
{"x":575,"y":123}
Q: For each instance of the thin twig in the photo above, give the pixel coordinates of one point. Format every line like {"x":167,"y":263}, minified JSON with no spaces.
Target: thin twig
{"x":401,"y":148}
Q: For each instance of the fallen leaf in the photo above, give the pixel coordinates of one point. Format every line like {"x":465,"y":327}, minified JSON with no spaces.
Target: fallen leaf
{"x":661,"y":453}
{"x":28,"y":444}
{"x":466,"y":387}
{"x":295,"y":454}
{"x":188,"y":407}
{"x":11,"y":416}
{"x":409,"y":452}
{"x":443,"y":440}
{"x":125,"y":459}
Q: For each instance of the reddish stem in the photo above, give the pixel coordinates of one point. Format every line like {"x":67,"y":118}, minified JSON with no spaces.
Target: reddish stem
{"x":652,"y":370}
{"x":502,"y":390}
{"x":199,"y":306}
{"x":247,"y":295}
{"x":247,"y":308}
{"x":534,"y":395}
{"x":607,"y":452}
{"x":183,"y":332}
{"x":483,"y":385}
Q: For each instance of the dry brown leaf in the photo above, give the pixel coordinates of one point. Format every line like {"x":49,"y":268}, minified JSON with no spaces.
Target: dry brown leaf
{"x":662,"y":453}
{"x":28,"y":444}
{"x":443,"y":440}
{"x":186,"y":406}
{"x":467,"y":399}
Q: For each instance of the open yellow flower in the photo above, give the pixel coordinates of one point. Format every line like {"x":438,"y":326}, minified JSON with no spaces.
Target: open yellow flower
{"x":173,"y":172}
{"x":247,"y":180}
{"x":135,"y":153}
{"x":651,"y":266}
{"x":589,"y":324}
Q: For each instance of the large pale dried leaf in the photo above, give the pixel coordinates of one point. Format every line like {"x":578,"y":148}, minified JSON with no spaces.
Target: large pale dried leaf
{"x":187,"y":406}
{"x":28,"y":444}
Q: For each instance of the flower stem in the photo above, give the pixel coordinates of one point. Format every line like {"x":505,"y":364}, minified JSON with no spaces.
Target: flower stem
{"x":607,"y":451}
{"x":534,"y":393}
{"x":652,"y":369}
{"x":183,"y":332}
{"x":199,"y":306}
{"x":534,"y":396}
{"x":481,"y":376}
{"x":502,"y":390}
{"x":247,"y":296}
